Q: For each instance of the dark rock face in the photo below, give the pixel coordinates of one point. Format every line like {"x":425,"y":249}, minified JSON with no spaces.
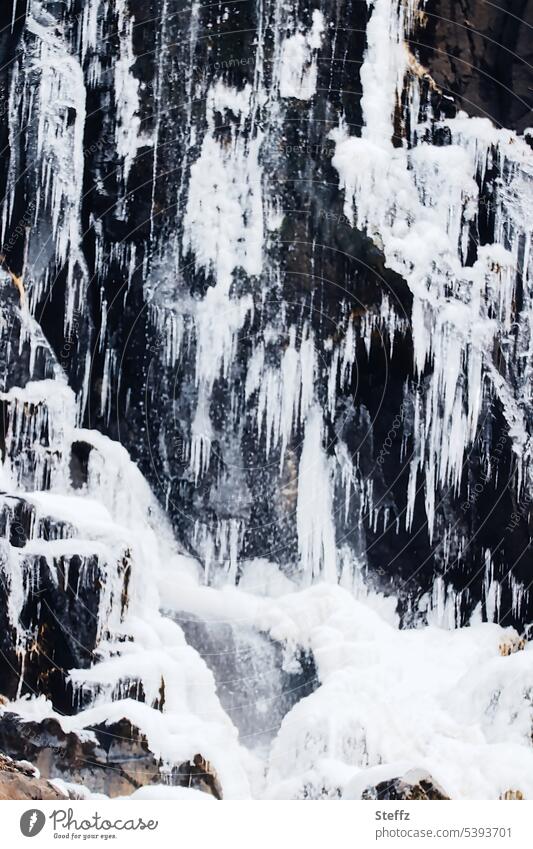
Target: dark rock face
{"x":480,"y":54}
{"x":134,"y":281}
{"x":171,"y":208}
{"x":62,"y":594}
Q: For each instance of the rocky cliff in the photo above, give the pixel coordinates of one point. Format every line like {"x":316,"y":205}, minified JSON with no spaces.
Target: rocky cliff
{"x":266,"y":310}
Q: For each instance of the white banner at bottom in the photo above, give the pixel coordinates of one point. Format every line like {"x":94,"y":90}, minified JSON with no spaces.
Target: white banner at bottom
{"x":266,"y":825}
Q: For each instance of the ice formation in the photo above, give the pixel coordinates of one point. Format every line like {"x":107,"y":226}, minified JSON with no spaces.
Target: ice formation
{"x":420,"y":203}
{"x":260,"y":375}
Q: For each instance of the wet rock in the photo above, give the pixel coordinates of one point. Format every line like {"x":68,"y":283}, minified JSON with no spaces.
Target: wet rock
{"x":478,"y":53}
{"x":79,"y":464}
{"x":57,"y":624}
{"x":200,"y":775}
{"x":511,"y":645}
{"x":21,"y":781}
{"x":21,"y":358}
{"x":415,"y":785}
{"x":114,"y":759}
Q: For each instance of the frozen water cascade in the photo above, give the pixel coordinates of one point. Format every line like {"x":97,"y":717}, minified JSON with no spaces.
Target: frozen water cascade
{"x":421,"y":203}
{"x":256,"y":684}
{"x":266,"y":406}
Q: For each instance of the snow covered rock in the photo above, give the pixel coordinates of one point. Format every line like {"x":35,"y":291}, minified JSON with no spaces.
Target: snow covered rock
{"x":415,"y":785}
{"x":21,"y":781}
{"x":112,"y":759}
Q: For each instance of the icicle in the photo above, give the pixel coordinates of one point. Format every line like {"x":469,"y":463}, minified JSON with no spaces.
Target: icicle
{"x":419,"y":205}
{"x":316,"y":530}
